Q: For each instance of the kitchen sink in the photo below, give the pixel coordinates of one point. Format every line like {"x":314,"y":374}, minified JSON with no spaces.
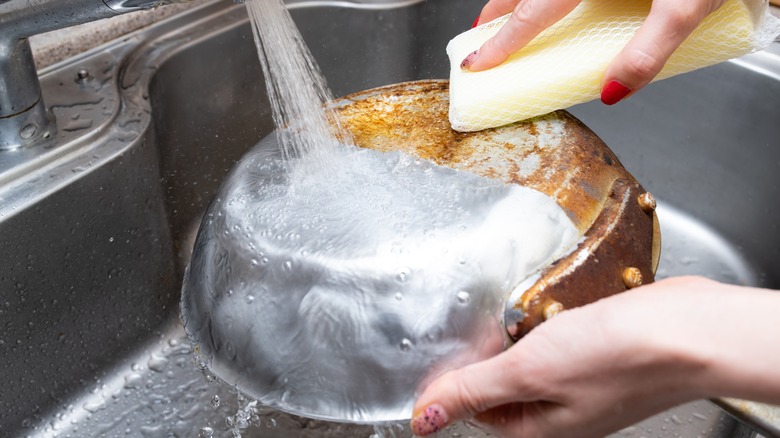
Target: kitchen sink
{"x":97,"y":225}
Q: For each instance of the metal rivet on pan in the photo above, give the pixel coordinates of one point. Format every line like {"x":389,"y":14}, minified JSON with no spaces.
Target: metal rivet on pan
{"x":82,"y":75}
{"x":647,"y":202}
{"x":552,"y":309}
{"x":632,"y":277}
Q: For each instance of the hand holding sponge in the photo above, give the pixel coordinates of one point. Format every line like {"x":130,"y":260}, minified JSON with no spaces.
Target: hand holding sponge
{"x":565,"y":64}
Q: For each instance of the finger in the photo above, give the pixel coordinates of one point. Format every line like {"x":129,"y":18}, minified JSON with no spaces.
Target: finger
{"x":496,"y":8}
{"x":546,"y":419}
{"x":527,"y":419}
{"x":505,"y":420}
{"x":462,"y":393}
{"x":529,"y":19}
{"x":666,"y":27}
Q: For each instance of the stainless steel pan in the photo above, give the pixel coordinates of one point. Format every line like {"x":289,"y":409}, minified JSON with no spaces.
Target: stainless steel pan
{"x":248,"y":323}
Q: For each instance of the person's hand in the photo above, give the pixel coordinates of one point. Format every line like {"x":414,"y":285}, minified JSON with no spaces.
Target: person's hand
{"x":667,"y":26}
{"x":593,"y":370}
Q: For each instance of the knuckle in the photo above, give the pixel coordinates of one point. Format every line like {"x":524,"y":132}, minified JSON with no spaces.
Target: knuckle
{"x":525,"y":8}
{"x":683,"y":16}
{"x":469,"y":397}
{"x":524,"y":18}
{"x":641,"y":65}
{"x":521,"y":367}
{"x":496,"y":48}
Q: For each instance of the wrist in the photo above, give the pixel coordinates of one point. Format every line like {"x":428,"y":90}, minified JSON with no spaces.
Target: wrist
{"x":650,"y":330}
{"x":702,"y":339}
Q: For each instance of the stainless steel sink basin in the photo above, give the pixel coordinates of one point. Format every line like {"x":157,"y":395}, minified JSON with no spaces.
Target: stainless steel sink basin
{"x":95,"y":232}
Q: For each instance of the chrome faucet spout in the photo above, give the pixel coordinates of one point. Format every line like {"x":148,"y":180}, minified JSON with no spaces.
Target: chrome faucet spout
{"x":23,"y":117}
{"x":122,"y":6}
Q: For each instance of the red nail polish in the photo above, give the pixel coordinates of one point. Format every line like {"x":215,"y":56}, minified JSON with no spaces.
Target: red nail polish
{"x":476,"y":22}
{"x":614,"y":92}
{"x":469,"y":60}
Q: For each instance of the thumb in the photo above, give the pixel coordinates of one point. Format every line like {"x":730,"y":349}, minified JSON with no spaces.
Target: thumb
{"x":529,"y":19}
{"x":460,"y":394}
{"x":666,"y":27}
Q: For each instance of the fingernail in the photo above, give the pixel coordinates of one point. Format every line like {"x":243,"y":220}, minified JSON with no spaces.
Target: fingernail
{"x":614,"y":92}
{"x":469,"y":60}
{"x":476,"y":22}
{"x":431,"y":420}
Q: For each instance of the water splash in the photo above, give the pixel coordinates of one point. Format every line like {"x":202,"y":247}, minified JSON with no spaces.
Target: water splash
{"x":245,"y":416}
{"x":295,"y":85}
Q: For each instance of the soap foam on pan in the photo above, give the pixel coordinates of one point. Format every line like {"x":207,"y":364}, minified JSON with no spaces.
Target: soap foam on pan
{"x":565,"y":64}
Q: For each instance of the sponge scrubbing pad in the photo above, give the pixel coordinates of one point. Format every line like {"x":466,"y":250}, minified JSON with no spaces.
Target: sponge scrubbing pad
{"x":565,"y":64}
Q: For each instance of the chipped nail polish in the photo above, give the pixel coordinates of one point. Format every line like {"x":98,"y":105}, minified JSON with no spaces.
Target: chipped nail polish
{"x":430,"y":420}
{"x":469,"y":60}
{"x":476,"y":22}
{"x":614,"y":92}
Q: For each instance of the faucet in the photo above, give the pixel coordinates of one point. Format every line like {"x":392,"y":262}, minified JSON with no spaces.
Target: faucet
{"x":24,"y":120}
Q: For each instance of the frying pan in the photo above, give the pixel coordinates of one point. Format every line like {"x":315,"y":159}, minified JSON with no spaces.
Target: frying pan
{"x":276,"y":336}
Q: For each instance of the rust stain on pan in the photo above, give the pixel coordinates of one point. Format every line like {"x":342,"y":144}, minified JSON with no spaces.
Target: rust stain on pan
{"x":555,"y":154}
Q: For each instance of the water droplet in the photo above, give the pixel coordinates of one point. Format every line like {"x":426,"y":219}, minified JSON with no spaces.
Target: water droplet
{"x":434,"y":335}
{"x":157,"y":363}
{"x":215,"y":401}
{"x":254,"y":262}
{"x":406,"y":345}
{"x":271,"y":423}
{"x":230,"y":350}
{"x":403,"y":274}
{"x":288,"y":265}
{"x":94,"y":406}
{"x":249,"y":299}
{"x":399,"y":296}
{"x":464,"y":297}
{"x":133,"y":380}
{"x":206,"y":432}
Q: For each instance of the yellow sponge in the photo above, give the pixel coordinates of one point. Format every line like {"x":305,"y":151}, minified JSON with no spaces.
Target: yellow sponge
{"x":565,"y":64}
